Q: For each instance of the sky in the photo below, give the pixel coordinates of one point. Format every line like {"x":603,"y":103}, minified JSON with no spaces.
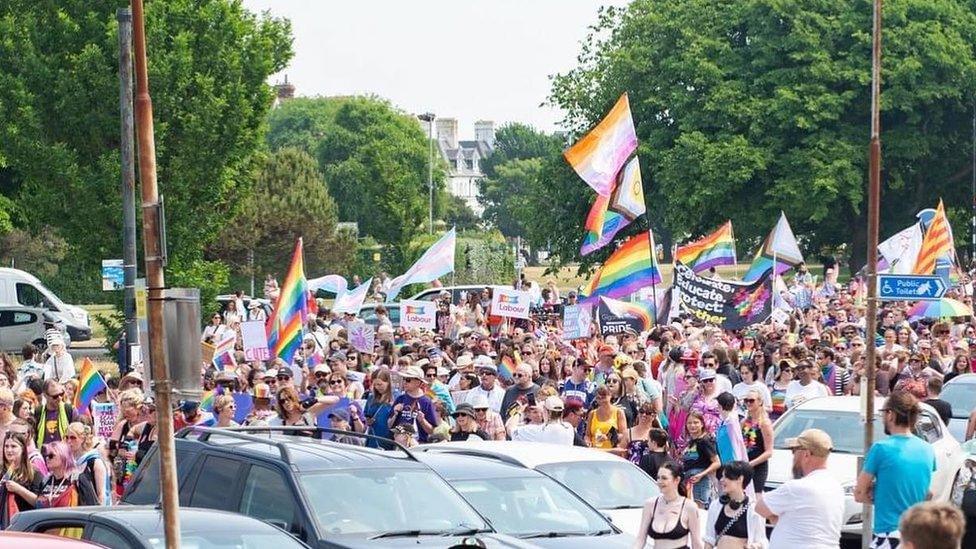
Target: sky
{"x":464,"y":59}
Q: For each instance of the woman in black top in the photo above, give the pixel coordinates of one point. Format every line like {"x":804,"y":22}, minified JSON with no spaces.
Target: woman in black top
{"x":757,"y":435}
{"x":17,"y":468}
{"x":670,"y":519}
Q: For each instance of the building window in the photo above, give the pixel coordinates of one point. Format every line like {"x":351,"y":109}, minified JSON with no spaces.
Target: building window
{"x":469,"y":164}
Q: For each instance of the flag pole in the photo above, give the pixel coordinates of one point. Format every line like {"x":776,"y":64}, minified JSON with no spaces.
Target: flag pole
{"x":650,"y":244}
{"x":735,"y":255}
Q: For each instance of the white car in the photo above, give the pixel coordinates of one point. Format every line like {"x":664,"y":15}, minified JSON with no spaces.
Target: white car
{"x":611,"y":484}
{"x":22,"y":325}
{"x":840,"y":417}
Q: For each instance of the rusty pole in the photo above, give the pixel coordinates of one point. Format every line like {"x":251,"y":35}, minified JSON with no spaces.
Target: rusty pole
{"x":155,"y":282}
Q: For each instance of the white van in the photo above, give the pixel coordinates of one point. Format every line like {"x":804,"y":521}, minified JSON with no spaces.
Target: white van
{"x":21,"y":288}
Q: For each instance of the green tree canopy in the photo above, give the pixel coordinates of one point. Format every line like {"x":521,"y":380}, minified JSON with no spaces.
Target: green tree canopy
{"x":209,"y":61}
{"x":289,"y":200}
{"x":744,"y":108}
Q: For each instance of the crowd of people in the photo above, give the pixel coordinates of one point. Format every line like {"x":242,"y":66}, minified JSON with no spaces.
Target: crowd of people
{"x":660,"y":398}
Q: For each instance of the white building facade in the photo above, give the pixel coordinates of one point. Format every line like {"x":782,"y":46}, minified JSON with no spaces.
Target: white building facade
{"x":464,"y":157}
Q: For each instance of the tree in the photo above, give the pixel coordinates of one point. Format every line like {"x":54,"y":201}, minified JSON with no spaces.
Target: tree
{"x":458,"y":214}
{"x":209,"y":61}
{"x":744,"y":108}
{"x":374,"y":159}
{"x":289,"y":200}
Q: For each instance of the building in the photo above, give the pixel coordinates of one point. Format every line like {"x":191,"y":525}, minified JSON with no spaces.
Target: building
{"x":464,"y":157}
{"x":283,"y":92}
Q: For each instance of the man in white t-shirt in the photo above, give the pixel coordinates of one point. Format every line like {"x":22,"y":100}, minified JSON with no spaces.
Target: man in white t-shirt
{"x":553,"y":429}
{"x":805,"y":386}
{"x":808,"y":510}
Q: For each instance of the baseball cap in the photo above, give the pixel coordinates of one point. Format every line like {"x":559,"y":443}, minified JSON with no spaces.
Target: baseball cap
{"x":341,"y":413}
{"x":189,"y":406}
{"x":554,"y":404}
{"x":338,"y":355}
{"x":284,"y":372}
{"x":815,"y":441}
{"x":706,"y":373}
{"x":321,"y":369}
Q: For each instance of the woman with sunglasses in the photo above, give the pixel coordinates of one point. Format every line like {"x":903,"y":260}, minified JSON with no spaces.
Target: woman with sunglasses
{"x":17,"y":467}
{"x":145,"y":432}
{"x":647,"y":421}
{"x":213,"y":331}
{"x":757,"y":434}
{"x":66,"y":486}
{"x":379,"y":406}
{"x":292,"y":410}
{"x":224,"y":408}
{"x":733,"y":522}
{"x":777,"y":392}
{"x":81,"y":441}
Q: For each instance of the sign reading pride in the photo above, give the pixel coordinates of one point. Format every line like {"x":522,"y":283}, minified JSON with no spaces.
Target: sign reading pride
{"x":731,"y":305}
{"x":510,"y":303}
{"x":418,"y":314}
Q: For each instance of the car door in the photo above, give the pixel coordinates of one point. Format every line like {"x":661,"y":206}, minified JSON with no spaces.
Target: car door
{"x":946,"y":449}
{"x":110,"y":536}
{"x":217,"y":483}
{"x":267,"y":495}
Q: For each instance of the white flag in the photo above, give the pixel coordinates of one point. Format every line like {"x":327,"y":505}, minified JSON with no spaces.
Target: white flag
{"x":783,"y":244}
{"x":901,"y":250}
{"x":351,"y":301}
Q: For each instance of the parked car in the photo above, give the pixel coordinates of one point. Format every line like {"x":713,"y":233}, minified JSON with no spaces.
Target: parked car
{"x":611,"y":484}
{"x":141,"y":527}
{"x":326,"y":494}
{"x":368,"y":313}
{"x":431,"y":294}
{"x":526,"y":504}
{"x":960,"y":393}
{"x":43,"y":541}
{"x":22,"y":288}
{"x":22,"y":325}
{"x":840,"y":417}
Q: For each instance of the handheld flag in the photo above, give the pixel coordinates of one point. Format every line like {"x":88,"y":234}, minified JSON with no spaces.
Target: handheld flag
{"x":224,"y":352}
{"x":780,"y":246}
{"x":641,"y":310}
{"x":436,"y":262}
{"x":90,"y":384}
{"x":611,"y":213}
{"x":351,"y":301}
{"x":600,"y":154}
{"x":628,"y":269}
{"x":290,"y":312}
{"x":330,"y":283}
{"x":710,"y":251}
{"x":937,"y":243}
{"x":901,"y":250}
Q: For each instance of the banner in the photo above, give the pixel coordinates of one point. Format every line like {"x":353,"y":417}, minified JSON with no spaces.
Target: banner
{"x":362,"y":336}
{"x":730,"y":305}
{"x":510,"y":303}
{"x":255,"y":340}
{"x":576,"y":321}
{"x":104,"y":416}
{"x":612,"y":324}
{"x":112,"y":274}
{"x":418,"y":314}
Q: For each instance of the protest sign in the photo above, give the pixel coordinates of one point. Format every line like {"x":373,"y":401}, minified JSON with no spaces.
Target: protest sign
{"x":255,"y":340}
{"x":611,"y":323}
{"x":510,"y":303}
{"x":576,"y":321}
{"x":244,"y":404}
{"x":418,"y":314}
{"x":104,"y":416}
{"x":362,"y":336}
{"x":731,"y":305}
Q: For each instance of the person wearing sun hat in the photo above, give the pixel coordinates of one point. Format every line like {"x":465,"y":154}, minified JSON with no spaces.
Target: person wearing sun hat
{"x":60,"y":365}
{"x":261,"y":412}
{"x":413,"y":406}
{"x":466,"y":425}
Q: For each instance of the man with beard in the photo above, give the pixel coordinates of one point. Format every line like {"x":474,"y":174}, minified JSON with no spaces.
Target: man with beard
{"x":808,"y":511}
{"x":897,"y":470}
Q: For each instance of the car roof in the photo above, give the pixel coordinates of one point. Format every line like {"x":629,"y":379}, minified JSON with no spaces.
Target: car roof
{"x":850,"y":404}
{"x":528,"y":454}
{"x":467,"y":467}
{"x":148,"y":520}
{"x":300,"y":452}
{"x":43,"y":541}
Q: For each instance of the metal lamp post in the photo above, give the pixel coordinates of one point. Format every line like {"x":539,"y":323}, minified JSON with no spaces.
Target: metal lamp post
{"x":429,"y":118}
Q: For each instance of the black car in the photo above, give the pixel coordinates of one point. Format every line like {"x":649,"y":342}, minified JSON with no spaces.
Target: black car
{"x":141,"y":527}
{"x":327,"y":494}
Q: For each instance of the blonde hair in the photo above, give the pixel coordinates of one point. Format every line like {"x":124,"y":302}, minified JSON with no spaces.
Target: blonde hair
{"x":222,"y":402}
{"x":131,"y":397}
{"x":85,"y":433}
{"x":931,"y":525}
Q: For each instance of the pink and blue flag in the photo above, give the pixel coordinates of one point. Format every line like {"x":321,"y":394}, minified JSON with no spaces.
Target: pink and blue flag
{"x":436,"y":262}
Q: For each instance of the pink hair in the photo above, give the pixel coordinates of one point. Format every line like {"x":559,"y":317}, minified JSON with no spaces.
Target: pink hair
{"x":61,"y":449}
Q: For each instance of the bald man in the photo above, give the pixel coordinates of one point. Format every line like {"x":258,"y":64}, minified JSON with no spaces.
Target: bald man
{"x":523,"y":391}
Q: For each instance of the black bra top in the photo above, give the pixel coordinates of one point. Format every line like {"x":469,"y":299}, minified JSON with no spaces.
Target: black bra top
{"x":738,"y":528}
{"x":678,"y":532}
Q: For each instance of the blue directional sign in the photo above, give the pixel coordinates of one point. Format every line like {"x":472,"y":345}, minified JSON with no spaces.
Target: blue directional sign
{"x":910,"y":287}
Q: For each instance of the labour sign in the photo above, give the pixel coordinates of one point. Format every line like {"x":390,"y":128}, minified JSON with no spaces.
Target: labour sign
{"x":510,"y":303}
{"x":418,"y":314}
{"x":910,"y":287}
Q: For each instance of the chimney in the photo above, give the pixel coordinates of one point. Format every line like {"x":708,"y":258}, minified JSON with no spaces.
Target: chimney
{"x":447,"y":130}
{"x":484,"y":130}
{"x":285,"y":91}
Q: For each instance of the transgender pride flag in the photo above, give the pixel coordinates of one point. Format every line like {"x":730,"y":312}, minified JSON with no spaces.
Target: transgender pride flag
{"x":436,"y":262}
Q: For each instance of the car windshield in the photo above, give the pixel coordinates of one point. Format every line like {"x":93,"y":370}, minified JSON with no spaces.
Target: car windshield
{"x":961,"y":396}
{"x":526,"y":506}
{"x":846,"y":429}
{"x":370,"y":502}
{"x":604,"y":484}
{"x":231,"y":540}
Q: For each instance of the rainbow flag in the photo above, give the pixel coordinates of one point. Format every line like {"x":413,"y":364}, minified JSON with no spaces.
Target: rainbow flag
{"x":628,"y":269}
{"x":285,"y":324}
{"x":223,"y":358}
{"x":936,"y":243}
{"x":507,"y":366}
{"x":641,"y":310}
{"x":207,"y":402}
{"x":713,"y":250}
{"x":90,"y":383}
{"x":436,"y":262}
{"x":600,"y":154}
{"x":780,"y":245}
{"x":610,"y":214}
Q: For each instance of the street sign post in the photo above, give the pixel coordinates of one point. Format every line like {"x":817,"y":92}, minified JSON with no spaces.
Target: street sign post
{"x":910,"y":287}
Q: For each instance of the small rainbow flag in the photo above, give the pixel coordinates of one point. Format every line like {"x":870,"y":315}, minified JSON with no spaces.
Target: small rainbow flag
{"x":630,"y":268}
{"x":207,"y":402}
{"x":502,"y":298}
{"x":412,"y":310}
{"x":225,"y":361}
{"x":713,"y":250}
{"x":285,"y":324}
{"x":507,"y":366}
{"x":90,"y":383}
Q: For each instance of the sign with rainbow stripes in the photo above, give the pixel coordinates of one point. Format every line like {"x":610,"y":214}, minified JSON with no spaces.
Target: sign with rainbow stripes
{"x":418,"y":314}
{"x":510,"y":303}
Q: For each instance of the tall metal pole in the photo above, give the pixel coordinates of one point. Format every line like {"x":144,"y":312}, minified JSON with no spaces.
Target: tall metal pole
{"x":874,"y":197}
{"x":155,"y":283}
{"x":972,"y":196}
{"x":124,"y":17}
{"x":430,"y":171}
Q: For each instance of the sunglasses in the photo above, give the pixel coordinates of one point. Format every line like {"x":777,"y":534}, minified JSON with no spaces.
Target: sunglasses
{"x":59,"y":395}
{"x":748,"y":400}
{"x":646,"y":412}
{"x":708,"y":381}
{"x":283,"y":378}
{"x":518,"y":375}
{"x":337,"y":382}
{"x":613,"y":381}
{"x":487,"y":373}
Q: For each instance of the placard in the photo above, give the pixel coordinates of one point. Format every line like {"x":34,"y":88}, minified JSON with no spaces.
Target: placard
{"x":104,"y":416}
{"x":112,"y":274}
{"x":612,"y":324}
{"x":362,"y":336}
{"x":576,"y":321}
{"x":730,"y":305}
{"x":418,"y":314}
{"x":510,"y":303}
{"x":244,"y":403}
{"x":255,"y":340}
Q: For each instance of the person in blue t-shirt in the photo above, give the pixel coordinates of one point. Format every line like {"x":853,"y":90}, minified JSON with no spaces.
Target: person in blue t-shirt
{"x":577,"y":387}
{"x":897,"y":470}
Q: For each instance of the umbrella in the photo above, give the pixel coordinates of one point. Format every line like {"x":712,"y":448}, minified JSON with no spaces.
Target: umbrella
{"x":942,"y":308}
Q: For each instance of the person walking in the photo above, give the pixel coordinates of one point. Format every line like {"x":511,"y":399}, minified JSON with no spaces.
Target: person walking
{"x":757,"y":435}
{"x":897,"y":470}
{"x":732,"y":518}
{"x":670,"y":519}
{"x":806,"y":509}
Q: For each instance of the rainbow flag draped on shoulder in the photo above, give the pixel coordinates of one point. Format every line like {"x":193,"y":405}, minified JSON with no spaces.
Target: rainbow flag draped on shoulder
{"x":628,"y":269}
{"x":606,"y":159}
{"x":285,"y":324}
{"x":710,"y":251}
{"x":780,"y":247}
